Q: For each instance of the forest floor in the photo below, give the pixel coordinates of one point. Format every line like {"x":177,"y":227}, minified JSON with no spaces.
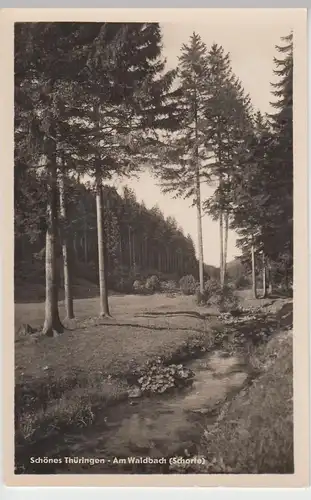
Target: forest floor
{"x":64,"y":382}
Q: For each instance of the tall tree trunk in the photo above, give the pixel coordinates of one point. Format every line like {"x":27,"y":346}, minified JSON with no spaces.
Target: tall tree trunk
{"x":85,"y":240}
{"x":134,"y":251}
{"x":200,"y":235}
{"x":159,"y":261}
{"x":182,"y":265}
{"x":65,"y":248}
{"x":130,"y":248}
{"x":254,"y":285}
{"x":198,"y":200}
{"x":140,"y":253}
{"x":75,"y":247}
{"x":120,"y":250}
{"x":225,"y":248}
{"x":264,"y":276}
{"x":146,"y":253}
{"x":52,"y":321}
{"x":103,"y":285}
{"x":167,"y":265}
{"x":221,"y":239}
{"x":103,"y":288}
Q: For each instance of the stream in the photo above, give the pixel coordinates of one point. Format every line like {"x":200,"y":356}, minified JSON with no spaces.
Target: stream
{"x":154,"y":427}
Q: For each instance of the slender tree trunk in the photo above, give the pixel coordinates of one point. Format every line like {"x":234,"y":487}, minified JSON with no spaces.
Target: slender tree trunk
{"x":182,"y":266}
{"x":120,"y":250}
{"x":75,"y":246}
{"x":200,"y":236}
{"x":102,"y":260}
{"x":85,"y":240}
{"x":225,"y":248}
{"x":134,"y":251}
{"x":221,"y":239}
{"x":254,"y":285}
{"x":145,"y":253}
{"x":198,"y":200}
{"x":264,"y":276}
{"x":65,"y":248}
{"x":103,"y":288}
{"x":52,"y":321}
{"x":140,"y":253}
{"x":146,"y":260}
{"x":130,"y":248}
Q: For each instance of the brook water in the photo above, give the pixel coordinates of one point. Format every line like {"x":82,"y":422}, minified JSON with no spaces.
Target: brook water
{"x":159,"y":426}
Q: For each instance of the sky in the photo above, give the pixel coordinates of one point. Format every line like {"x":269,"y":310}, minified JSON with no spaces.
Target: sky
{"x":251,"y":41}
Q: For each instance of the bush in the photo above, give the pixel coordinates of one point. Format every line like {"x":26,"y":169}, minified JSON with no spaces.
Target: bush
{"x":211,"y":295}
{"x":228,"y":300}
{"x":139,"y":286}
{"x":224,"y":298}
{"x":153,"y":284}
{"x":169,"y":287}
{"x":188,"y":285}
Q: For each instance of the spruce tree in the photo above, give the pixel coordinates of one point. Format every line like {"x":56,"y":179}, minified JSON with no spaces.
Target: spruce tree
{"x":80,"y":91}
{"x":281,"y":157}
{"x":44,"y":72}
{"x":186,"y":153}
{"x":263,"y":183}
{"x":228,"y":115}
{"x":124,"y":101}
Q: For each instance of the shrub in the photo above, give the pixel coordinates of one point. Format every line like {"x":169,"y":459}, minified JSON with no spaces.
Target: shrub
{"x":211,"y":294}
{"x":139,"y":286}
{"x":228,"y":299}
{"x":153,"y":284}
{"x":169,"y":287}
{"x":188,"y":285}
{"x":159,"y":378}
{"x":224,"y":298}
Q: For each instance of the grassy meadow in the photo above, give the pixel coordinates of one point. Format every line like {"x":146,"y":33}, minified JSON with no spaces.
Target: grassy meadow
{"x":63,"y":383}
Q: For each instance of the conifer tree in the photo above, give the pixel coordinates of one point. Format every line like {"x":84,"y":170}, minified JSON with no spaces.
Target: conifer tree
{"x":187,"y":153}
{"x":263,"y":183}
{"x":281,"y":157}
{"x":125,"y":100}
{"x":228,"y":115}
{"x":100,"y":66}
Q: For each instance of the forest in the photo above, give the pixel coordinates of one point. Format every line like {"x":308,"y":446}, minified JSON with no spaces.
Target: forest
{"x":99,"y":105}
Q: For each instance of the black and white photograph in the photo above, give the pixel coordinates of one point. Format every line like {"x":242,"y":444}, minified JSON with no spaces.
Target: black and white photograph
{"x":154,"y":246}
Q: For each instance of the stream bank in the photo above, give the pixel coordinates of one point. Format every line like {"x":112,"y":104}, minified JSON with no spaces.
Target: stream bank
{"x":162,"y":426}
{"x":152,"y":428}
